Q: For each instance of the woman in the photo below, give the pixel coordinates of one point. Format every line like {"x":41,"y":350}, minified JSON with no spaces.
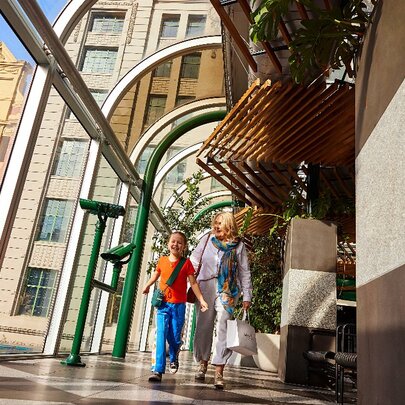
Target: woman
{"x":224,"y":276}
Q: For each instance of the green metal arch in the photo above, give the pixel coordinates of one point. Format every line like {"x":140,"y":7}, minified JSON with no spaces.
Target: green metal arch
{"x":141,"y":223}
{"x":217,"y":205}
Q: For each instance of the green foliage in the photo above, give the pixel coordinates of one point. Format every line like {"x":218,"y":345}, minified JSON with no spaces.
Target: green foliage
{"x":266,"y":256}
{"x":266,"y":269}
{"x":181,"y":217}
{"x":330,"y":40}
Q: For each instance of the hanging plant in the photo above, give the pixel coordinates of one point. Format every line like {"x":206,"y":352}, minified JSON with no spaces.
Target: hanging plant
{"x":331,"y":40}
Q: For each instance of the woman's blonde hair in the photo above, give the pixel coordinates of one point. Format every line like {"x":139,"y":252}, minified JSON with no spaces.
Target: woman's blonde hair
{"x":228,"y":224}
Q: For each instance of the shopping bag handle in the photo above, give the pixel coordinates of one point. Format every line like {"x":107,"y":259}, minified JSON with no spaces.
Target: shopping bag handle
{"x":245,"y":315}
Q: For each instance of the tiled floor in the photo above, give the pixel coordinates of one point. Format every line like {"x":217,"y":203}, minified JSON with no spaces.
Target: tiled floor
{"x":105,"y":380}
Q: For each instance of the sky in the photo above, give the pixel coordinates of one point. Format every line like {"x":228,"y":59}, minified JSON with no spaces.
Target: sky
{"x":51,"y":8}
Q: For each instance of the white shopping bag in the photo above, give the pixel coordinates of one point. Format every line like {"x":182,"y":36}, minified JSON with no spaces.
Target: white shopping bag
{"x":241,"y":336}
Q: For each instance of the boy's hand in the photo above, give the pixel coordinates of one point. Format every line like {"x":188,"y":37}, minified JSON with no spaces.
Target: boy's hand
{"x":146,"y":289}
{"x":203,"y":305}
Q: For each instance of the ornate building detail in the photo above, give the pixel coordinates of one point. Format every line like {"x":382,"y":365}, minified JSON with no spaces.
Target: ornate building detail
{"x":76,"y":31}
{"x":134,"y":7}
{"x":131,"y":22}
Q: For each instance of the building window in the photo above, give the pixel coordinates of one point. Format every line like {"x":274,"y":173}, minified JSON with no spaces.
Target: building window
{"x":176,"y":175}
{"x":183,"y":99}
{"x":190,"y":66}
{"x":38,"y":292}
{"x":155,"y":109}
{"x":99,"y":95}
{"x":55,"y":220}
{"x":144,"y":158}
{"x":99,"y":60}
{"x":170,"y":25}
{"x":107,"y":23}
{"x":69,"y":158}
{"x":195,"y":25}
{"x":163,"y":70}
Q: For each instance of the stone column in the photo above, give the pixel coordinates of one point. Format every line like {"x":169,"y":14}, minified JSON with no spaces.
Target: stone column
{"x":309,"y":294}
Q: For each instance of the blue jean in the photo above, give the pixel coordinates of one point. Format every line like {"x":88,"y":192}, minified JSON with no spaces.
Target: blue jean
{"x":169,"y":325}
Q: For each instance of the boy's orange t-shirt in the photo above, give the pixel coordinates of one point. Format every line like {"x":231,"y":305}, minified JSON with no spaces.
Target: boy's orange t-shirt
{"x":177,"y":292}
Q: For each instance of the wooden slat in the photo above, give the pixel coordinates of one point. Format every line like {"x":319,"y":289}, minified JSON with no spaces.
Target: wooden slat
{"x":305,"y":114}
{"x":230,"y":115}
{"x":222,"y":180}
{"x":273,"y":180}
{"x":253,"y":198}
{"x":243,"y":177}
{"x":284,"y":32}
{"x":311,"y":134}
{"x":276,"y":133}
{"x":243,"y":116}
{"x":302,"y":11}
{"x":259,"y":178}
{"x":247,"y":125}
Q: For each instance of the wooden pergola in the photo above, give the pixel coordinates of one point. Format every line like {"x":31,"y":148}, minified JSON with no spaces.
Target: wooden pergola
{"x":262,"y":150}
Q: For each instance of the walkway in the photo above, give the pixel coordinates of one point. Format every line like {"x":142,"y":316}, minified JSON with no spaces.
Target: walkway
{"x":107,"y":381}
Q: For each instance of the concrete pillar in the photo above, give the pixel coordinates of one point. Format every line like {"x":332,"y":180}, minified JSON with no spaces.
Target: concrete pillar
{"x":309,"y":294}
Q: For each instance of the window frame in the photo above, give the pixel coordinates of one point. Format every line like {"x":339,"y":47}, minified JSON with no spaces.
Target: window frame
{"x":188,"y":66}
{"x":167,"y":18}
{"x":190,"y":27}
{"x":38,"y":288}
{"x":107,"y":68}
{"x":115,"y":17}
{"x":148,"y":112}
{"x":165,"y":68}
{"x":64,"y":222}
{"x":69,"y":171}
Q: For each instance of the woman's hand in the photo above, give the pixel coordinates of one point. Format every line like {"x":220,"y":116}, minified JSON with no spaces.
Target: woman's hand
{"x":246,"y":305}
{"x":203,"y":305}
{"x":146,"y":289}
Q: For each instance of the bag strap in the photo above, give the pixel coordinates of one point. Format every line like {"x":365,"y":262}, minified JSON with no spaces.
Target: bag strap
{"x":175,"y":272}
{"x":202,"y":253}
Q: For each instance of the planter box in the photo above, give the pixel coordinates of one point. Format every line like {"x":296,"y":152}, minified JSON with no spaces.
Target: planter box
{"x":268,"y":346}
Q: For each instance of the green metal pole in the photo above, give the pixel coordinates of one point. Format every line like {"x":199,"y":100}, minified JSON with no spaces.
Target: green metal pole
{"x":141,"y":223}
{"x":74,"y":358}
{"x":116,"y":275}
{"x":217,"y":205}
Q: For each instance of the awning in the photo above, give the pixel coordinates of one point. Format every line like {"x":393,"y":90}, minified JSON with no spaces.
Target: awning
{"x":262,"y":149}
{"x":287,"y":123}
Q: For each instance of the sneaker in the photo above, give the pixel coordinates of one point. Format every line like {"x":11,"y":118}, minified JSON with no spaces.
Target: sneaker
{"x":201,"y":371}
{"x":219,"y":381}
{"x":155,"y":377}
{"x":173,"y":367}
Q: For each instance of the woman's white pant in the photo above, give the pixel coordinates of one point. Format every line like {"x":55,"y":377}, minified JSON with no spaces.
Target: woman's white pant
{"x":204,"y":331}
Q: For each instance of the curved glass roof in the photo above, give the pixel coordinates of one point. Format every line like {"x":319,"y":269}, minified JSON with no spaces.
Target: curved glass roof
{"x":52,"y":8}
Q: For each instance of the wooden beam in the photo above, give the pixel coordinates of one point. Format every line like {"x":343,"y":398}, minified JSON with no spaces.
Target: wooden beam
{"x":268,"y":187}
{"x":242,"y":187}
{"x":272,"y":56}
{"x":226,"y":20}
{"x":263,"y":196}
{"x":226,"y":184}
{"x":212,"y":139}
